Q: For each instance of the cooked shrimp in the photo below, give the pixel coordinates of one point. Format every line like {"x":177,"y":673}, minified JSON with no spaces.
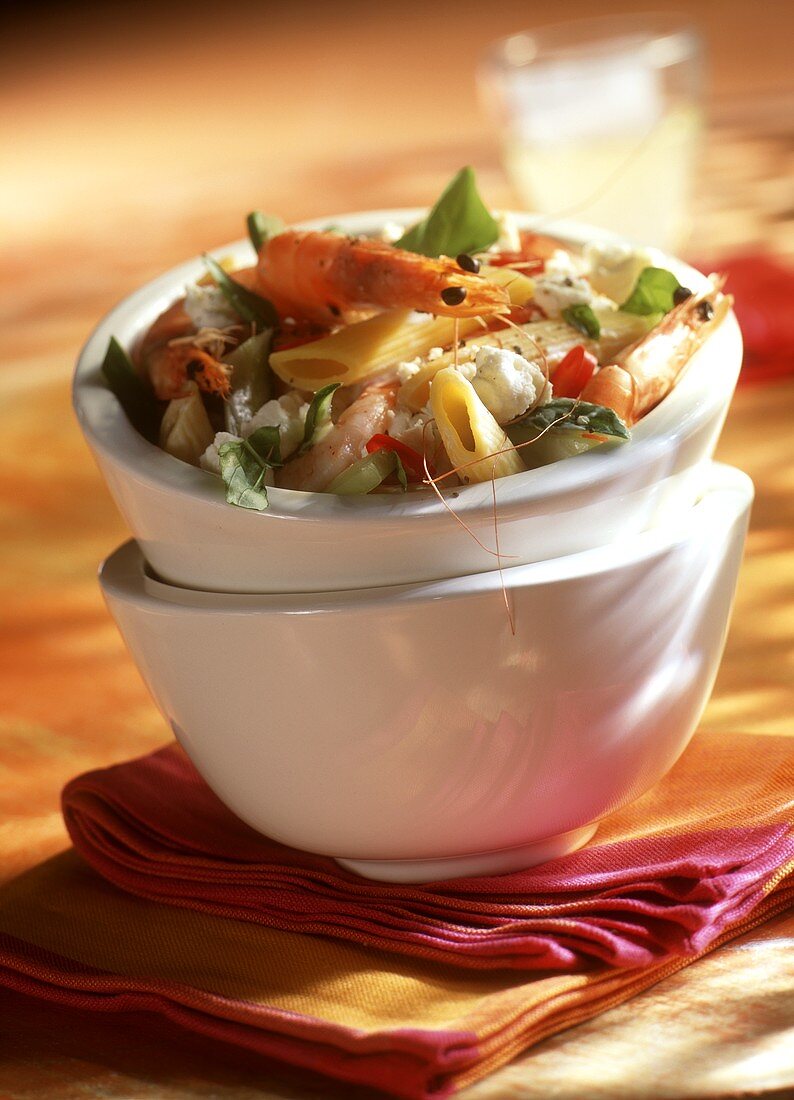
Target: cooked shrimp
{"x":366,"y":416}
{"x":645,"y":372}
{"x":172,"y":366}
{"x":172,"y":353}
{"x":324,"y":276}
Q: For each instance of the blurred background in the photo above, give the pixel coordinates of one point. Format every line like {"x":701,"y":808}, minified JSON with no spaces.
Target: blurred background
{"x":136,"y":134}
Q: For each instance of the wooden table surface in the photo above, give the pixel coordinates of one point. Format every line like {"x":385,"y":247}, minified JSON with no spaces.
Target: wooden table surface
{"x":130,"y":140}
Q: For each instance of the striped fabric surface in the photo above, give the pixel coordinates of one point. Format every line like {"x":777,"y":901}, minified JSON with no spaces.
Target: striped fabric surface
{"x":191,"y":925}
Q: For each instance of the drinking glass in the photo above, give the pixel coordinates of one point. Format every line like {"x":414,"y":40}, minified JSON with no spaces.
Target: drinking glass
{"x":600,"y":120}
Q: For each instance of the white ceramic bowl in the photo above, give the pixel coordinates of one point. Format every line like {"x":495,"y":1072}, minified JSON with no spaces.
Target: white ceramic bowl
{"x":314,"y":542}
{"x":408,"y":733}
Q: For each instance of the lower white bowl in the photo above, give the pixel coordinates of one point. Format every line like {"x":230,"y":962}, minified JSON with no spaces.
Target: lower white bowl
{"x":408,"y":732}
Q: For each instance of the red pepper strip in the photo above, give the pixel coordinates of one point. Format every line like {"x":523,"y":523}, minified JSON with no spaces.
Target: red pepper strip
{"x":535,"y":250}
{"x":413,"y":462}
{"x":574,"y":372}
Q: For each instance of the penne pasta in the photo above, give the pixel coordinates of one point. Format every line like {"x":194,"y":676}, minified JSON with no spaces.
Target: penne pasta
{"x":519,"y":287}
{"x":185,"y":430}
{"x":554,"y":338}
{"x":358,"y":351}
{"x":469,"y":432}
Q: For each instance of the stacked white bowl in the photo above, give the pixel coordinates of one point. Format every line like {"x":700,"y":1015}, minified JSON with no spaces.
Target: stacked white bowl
{"x":354,"y":676}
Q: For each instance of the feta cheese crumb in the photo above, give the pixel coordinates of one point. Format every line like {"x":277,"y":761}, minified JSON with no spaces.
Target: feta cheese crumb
{"x":434,"y":353}
{"x":391,"y":232}
{"x":288,"y":414}
{"x":507,"y":383}
{"x":409,"y":428}
{"x":209,"y":460}
{"x":615,"y":268}
{"x":509,"y":236}
{"x":407,"y":370}
{"x":554,"y":293}
{"x":565,"y":264}
{"x":207,"y":307}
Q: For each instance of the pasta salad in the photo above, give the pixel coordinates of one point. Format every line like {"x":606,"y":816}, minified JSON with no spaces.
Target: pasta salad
{"x":461,"y":349}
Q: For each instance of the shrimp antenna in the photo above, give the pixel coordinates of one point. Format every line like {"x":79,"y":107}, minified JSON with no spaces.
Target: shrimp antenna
{"x":510,"y":617}
{"x":431,"y":481}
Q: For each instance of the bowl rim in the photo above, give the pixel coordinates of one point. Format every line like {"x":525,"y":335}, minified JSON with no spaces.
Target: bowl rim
{"x":727,"y":494}
{"x":110,"y":434}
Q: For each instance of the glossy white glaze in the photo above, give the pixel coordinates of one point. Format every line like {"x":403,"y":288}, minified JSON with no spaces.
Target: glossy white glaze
{"x":316,"y":542}
{"x":409,"y":724}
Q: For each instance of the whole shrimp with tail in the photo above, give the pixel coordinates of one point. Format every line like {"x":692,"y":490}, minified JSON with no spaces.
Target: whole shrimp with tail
{"x":325,"y":277}
{"x":645,"y":372}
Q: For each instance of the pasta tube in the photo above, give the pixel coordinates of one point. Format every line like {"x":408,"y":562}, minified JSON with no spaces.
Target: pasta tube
{"x":185,"y":430}
{"x":366,"y":348}
{"x":519,"y":287}
{"x":554,"y":338}
{"x":468,"y":430}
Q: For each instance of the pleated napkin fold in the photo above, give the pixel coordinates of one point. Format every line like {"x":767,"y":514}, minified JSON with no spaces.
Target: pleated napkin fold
{"x":417,"y":991}
{"x":154,"y":828}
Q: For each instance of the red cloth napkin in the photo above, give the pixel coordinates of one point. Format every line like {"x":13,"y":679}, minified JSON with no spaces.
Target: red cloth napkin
{"x":763,"y":290}
{"x":153,"y":827}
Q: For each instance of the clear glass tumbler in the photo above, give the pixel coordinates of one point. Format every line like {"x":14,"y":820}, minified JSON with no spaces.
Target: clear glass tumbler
{"x":600,"y":120}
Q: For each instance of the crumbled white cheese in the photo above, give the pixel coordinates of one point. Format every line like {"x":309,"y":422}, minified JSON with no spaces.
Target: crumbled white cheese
{"x":554,"y":293}
{"x":565,"y":264}
{"x":410,"y":428}
{"x":509,"y":235}
{"x":209,"y":460}
{"x":614,"y":268}
{"x":467,"y":363}
{"x":434,"y":353}
{"x":391,"y":232}
{"x":407,"y":370}
{"x":507,"y":383}
{"x":208,"y":307}
{"x":288,"y":414}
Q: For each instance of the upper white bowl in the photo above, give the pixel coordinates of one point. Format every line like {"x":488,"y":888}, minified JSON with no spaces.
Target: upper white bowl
{"x":313,"y":542}
{"x":408,"y":732}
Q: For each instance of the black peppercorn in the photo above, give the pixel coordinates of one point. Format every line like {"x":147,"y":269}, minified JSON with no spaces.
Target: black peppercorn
{"x":468,"y":263}
{"x":680,"y":294}
{"x":453,"y":295}
{"x":705,"y":311}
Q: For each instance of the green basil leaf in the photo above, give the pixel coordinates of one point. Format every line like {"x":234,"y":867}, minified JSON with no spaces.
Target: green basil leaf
{"x":365,"y":475}
{"x":251,"y":307}
{"x":251,"y":380}
{"x":583,"y":319}
{"x":459,"y":222}
{"x":261,"y":227}
{"x":653,"y":292}
{"x":580,"y":416}
{"x":244,"y":464}
{"x":135,"y":396}
{"x":318,"y":417}
{"x":586,"y":426}
{"x":265,"y":443}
